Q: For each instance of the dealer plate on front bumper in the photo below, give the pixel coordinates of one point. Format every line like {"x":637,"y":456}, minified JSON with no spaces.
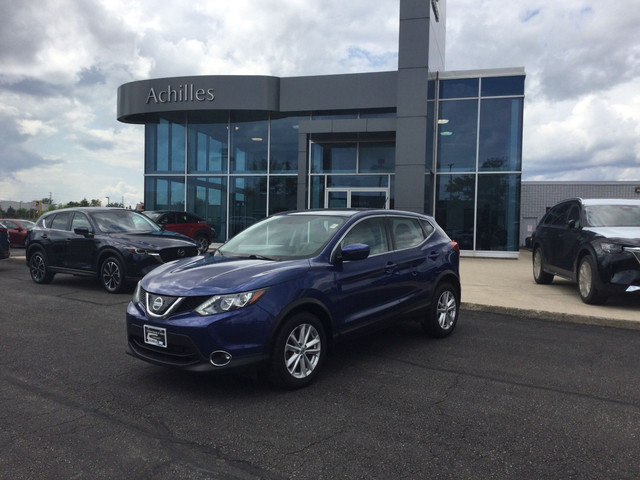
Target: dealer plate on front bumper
{"x":155,"y":336}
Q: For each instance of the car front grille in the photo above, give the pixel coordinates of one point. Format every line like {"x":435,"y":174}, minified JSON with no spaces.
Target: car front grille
{"x":163,"y":306}
{"x":176,"y":253}
{"x":635,"y":251}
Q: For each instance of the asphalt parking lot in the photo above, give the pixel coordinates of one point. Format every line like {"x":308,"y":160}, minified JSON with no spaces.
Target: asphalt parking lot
{"x":507,"y":396}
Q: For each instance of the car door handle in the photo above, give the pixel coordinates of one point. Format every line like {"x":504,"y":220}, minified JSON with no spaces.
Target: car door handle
{"x":390,"y":267}
{"x":433,"y":255}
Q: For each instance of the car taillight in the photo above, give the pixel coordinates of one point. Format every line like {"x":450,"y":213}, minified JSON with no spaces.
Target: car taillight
{"x":455,"y":245}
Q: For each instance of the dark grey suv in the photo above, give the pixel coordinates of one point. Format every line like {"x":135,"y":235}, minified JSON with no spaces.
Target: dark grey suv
{"x":113,"y":244}
{"x":594,"y":242}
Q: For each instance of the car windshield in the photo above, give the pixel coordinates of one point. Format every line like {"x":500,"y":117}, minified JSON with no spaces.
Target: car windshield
{"x":613,"y":215}
{"x":153,"y":215}
{"x":118,"y":221}
{"x":284,"y":237}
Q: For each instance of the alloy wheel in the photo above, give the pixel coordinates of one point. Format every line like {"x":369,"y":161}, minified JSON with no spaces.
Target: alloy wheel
{"x":585,"y":279}
{"x":111,"y":275}
{"x":38,"y":268}
{"x":302,"y":350}
{"x":446,"y":309}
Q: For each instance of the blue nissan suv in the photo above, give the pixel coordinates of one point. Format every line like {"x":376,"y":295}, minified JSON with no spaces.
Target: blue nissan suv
{"x":278,"y":293}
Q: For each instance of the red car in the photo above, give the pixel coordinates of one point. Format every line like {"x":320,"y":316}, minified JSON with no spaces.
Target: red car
{"x":18,"y":230}
{"x":187,"y":224}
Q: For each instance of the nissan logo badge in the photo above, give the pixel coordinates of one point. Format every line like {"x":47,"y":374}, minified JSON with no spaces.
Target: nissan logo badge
{"x":180,"y":252}
{"x":157,"y":304}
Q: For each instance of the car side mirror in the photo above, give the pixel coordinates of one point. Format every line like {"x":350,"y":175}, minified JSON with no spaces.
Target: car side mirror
{"x":354,"y":251}
{"x":571,"y":225}
{"x":84,"y":231}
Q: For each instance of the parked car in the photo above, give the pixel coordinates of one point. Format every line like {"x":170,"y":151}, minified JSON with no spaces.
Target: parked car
{"x":18,"y":230}
{"x":595,"y":243}
{"x":5,"y":249}
{"x":187,"y":224}
{"x":114,"y":245}
{"x":278,"y":293}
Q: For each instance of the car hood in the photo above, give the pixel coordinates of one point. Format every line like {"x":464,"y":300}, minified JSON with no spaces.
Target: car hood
{"x":629,"y":235}
{"x":153,"y":240}
{"x":211,"y":275}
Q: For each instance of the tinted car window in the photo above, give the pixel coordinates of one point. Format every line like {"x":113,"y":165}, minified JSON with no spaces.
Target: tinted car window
{"x":60,"y":221}
{"x":80,"y":221}
{"x":428,"y":228}
{"x":406,"y":232}
{"x":369,"y":232}
{"x":557,"y":215}
{"x":574,"y":214}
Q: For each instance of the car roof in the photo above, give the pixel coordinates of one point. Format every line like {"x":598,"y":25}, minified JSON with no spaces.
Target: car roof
{"x":608,"y":201}
{"x":90,"y":210}
{"x":351,"y":212}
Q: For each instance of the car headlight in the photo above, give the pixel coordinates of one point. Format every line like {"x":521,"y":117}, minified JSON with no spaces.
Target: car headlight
{"x":138,"y":251}
{"x":611,"y":247}
{"x":230,"y":302}
{"x":137,"y":294}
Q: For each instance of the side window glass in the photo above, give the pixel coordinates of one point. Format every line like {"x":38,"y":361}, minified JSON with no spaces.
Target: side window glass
{"x":558,"y":215}
{"x":80,"y":221}
{"x":406,"y":232}
{"x":60,"y":221}
{"x":370,"y":231}
{"x":574,"y":214}
{"x":428,"y":228}
{"x":9,"y":224}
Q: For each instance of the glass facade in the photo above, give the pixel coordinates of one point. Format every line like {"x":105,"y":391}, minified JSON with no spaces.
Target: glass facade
{"x":236,"y":167}
{"x":352,"y":174}
{"x":479,"y":161}
{"x":232,"y":176}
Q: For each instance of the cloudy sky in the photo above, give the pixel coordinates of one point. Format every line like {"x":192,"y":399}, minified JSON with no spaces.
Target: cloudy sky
{"x":61,"y":62}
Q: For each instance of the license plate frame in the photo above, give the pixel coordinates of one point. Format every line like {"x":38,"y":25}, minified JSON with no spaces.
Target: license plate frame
{"x":155,"y":336}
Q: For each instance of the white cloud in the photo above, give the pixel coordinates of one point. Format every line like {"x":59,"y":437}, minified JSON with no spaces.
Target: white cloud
{"x":64,"y":60}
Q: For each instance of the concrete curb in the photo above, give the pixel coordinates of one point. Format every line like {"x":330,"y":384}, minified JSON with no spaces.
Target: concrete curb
{"x":553,"y":316}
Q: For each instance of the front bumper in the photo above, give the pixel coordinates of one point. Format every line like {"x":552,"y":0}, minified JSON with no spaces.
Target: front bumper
{"x":194,"y":343}
{"x":620,"y":272}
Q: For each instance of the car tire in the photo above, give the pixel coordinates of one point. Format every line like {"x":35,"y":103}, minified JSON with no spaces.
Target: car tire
{"x":442,"y":317}
{"x":539,"y":275}
{"x":39,"y":268}
{"x":587,"y":272}
{"x":203,"y":243}
{"x":112,"y":275}
{"x":298,"y":352}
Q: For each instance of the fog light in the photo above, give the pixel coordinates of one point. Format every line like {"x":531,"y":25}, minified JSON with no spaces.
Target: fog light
{"x":220,"y":358}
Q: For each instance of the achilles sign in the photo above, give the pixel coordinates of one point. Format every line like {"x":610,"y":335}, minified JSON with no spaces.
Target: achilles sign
{"x":182,"y":93}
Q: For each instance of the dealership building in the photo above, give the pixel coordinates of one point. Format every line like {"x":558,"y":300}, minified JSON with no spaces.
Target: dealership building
{"x":234,"y":149}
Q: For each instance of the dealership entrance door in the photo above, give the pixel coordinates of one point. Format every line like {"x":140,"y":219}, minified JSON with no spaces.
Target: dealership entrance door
{"x":357,"y":198}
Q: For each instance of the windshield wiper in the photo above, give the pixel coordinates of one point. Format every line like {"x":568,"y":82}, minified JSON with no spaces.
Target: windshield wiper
{"x":253,"y":256}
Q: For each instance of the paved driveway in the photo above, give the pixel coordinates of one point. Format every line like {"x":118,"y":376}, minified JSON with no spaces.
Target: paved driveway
{"x":504,"y":397}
